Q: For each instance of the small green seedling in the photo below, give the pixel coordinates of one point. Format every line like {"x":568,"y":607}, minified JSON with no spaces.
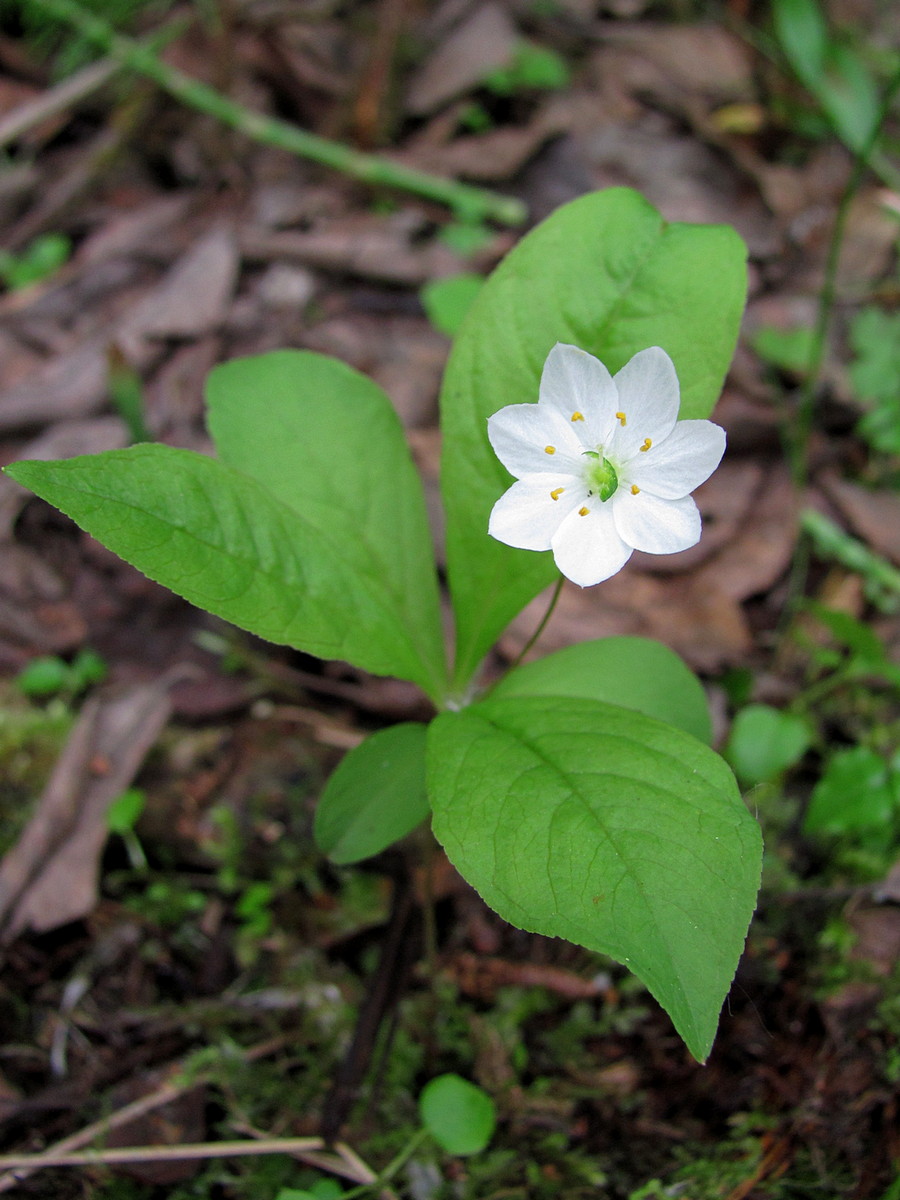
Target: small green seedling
{"x":533,"y":68}
{"x":874,"y":372}
{"x":859,"y":794}
{"x":835,"y":70}
{"x":50,"y":675}
{"x":459,"y":1116}
{"x":446,"y":301}
{"x":126,"y":390}
{"x":764,"y":742}
{"x":122,"y":816}
{"x":465,"y":238}
{"x":39,"y":260}
{"x":322,"y":1189}
{"x":789,"y":350}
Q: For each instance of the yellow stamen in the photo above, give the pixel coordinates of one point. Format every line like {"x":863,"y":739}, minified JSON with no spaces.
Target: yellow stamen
{"x":583,"y":512}
{"x":556,"y":493}
{"x":635,"y":490}
{"x":576,"y":416}
{"x":621,"y":417}
{"x":647,"y":444}
{"x":549,"y":449}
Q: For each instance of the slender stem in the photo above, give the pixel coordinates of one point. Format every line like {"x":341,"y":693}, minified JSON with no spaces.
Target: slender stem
{"x":807,"y":398}
{"x":542,"y":626}
{"x":470,"y":203}
{"x":406,"y":1153}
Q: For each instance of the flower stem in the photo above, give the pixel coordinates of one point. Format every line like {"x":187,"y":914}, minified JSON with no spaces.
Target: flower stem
{"x":542,"y":626}
{"x":467,"y":202}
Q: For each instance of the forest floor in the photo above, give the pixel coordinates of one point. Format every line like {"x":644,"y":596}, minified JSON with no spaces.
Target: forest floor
{"x":196,"y":957}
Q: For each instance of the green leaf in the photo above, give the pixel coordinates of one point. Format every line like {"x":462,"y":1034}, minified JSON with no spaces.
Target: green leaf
{"x":789,"y":349}
{"x":632,"y":672}
{"x":581,"y":820}
{"x":875,"y":337}
{"x":446,"y":301}
{"x":605,"y":273}
{"x":800,"y":28}
{"x":533,"y":67}
{"x":225,"y":543}
{"x":854,"y":793}
{"x":849,"y":95}
{"x":857,"y":636}
{"x":44,"y":676}
{"x":375,"y":796}
{"x":125,"y":811}
{"x":326,"y":441}
{"x":459,"y":1116}
{"x":765,"y":741}
{"x":40,"y":259}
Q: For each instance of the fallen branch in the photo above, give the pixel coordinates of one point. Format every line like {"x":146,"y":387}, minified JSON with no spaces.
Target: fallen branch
{"x":467,"y":202}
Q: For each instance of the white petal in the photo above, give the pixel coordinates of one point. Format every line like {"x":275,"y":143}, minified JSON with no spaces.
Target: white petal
{"x":649,"y":397}
{"x":656,"y":526}
{"x":674,"y":467}
{"x":527,"y":516}
{"x":589,"y":549}
{"x":573,"y":381}
{"x":520,"y":434}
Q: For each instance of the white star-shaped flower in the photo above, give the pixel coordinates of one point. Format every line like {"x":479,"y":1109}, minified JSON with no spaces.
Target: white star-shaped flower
{"x":603,"y":466}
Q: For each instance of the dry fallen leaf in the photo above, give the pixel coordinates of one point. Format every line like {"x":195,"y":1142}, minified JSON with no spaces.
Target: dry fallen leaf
{"x":49,"y":877}
{"x":483,"y":42}
{"x":193,"y":297}
{"x":873,"y":516}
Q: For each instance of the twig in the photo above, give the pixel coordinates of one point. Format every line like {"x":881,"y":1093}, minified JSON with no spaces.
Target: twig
{"x":468,"y":202}
{"x":132,"y":1154}
{"x":164,"y":1094}
{"x":50,"y":103}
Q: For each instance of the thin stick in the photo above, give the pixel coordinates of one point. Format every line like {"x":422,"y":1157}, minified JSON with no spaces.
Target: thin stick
{"x":470,"y":203}
{"x":164,"y":1094}
{"x":190,"y":1150}
{"x":59,"y":98}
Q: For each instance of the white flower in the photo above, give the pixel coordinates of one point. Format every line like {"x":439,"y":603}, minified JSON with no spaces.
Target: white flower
{"x":602,"y":465}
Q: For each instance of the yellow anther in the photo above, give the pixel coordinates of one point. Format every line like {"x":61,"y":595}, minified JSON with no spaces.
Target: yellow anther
{"x":621,"y":418}
{"x":647,"y":444}
{"x":635,"y":490}
{"x":549,"y":449}
{"x":556,"y":493}
{"x":576,"y":416}
{"x":583,"y":512}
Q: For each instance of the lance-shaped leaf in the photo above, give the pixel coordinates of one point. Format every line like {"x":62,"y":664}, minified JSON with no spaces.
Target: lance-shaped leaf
{"x":605,"y":273}
{"x":309,"y":531}
{"x":581,"y":820}
{"x":326,"y":441}
{"x":223,"y":542}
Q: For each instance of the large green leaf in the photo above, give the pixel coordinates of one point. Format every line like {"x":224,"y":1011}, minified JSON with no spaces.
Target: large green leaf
{"x":326,"y":441}
{"x":375,"y":796}
{"x":221,"y":540}
{"x":605,"y":273}
{"x":581,"y":820}
{"x":632,"y":672}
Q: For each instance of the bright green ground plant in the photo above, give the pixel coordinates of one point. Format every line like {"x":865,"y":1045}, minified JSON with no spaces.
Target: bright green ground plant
{"x":579,"y":796}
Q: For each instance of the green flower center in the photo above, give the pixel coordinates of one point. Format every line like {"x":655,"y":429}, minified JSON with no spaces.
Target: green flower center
{"x":601,"y":476}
